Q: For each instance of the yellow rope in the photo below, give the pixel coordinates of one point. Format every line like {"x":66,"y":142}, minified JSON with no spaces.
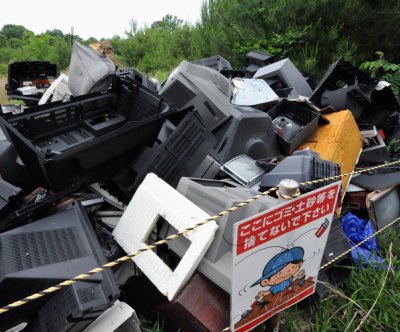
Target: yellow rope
{"x":88,"y":274}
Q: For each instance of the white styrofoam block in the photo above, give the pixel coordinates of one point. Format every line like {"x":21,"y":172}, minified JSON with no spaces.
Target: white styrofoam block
{"x":60,"y":83}
{"x":154,"y":199}
{"x":112,"y":318}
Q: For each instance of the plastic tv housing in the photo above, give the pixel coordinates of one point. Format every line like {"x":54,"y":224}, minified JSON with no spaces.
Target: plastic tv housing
{"x":48,"y":251}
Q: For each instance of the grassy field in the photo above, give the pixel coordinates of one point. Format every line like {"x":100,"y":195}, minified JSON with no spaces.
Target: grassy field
{"x":3,"y":96}
{"x":368,"y":301}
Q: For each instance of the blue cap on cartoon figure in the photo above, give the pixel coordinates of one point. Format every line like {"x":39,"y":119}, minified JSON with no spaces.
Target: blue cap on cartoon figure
{"x":279,"y":261}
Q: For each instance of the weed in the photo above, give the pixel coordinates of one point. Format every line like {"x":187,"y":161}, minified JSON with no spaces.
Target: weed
{"x":369,"y":301}
{"x":151,"y":326}
{"x":3,"y":95}
{"x":384,"y":70}
{"x":394,"y":149}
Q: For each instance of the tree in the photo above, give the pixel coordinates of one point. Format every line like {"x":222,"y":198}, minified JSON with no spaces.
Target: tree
{"x":91,"y":40}
{"x":13,"y":31}
{"x":39,"y":47}
{"x":55,"y":33}
{"x":168,"y":23}
{"x":3,"y":40}
{"x":158,"y":47}
{"x":133,"y":28}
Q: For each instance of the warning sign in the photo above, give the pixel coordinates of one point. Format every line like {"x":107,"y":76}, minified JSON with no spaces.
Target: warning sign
{"x":277,"y":255}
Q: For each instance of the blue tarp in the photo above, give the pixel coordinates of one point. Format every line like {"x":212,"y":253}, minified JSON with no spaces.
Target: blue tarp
{"x":357,"y":229}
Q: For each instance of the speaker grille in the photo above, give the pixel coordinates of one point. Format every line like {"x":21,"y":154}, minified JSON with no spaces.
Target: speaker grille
{"x":88,"y":294}
{"x":29,"y":250}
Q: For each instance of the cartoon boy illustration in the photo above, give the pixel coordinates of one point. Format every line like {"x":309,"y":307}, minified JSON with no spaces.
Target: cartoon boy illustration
{"x":280,"y":272}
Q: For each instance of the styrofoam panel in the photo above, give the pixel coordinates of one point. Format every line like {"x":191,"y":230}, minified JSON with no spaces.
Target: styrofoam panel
{"x":112,"y":318}
{"x":155,"y":198}
{"x":60,"y":86}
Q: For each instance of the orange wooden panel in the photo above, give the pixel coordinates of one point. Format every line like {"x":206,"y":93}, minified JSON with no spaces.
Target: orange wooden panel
{"x":339,"y":141}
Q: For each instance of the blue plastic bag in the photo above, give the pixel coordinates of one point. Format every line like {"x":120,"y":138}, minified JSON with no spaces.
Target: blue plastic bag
{"x":357,"y":229}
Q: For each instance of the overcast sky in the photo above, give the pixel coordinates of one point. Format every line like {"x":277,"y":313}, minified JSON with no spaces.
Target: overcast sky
{"x":98,"y":18}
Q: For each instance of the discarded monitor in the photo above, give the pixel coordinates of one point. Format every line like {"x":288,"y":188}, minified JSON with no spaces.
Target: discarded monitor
{"x":253,"y":92}
{"x":302,"y":166}
{"x":231,"y":73}
{"x":74,"y":308}
{"x":179,"y":155}
{"x":384,"y":206}
{"x":384,"y":111}
{"x":284,"y":74}
{"x":294,"y":123}
{"x":336,"y":244}
{"x":201,"y":87}
{"x":339,"y":74}
{"x":30,"y":74}
{"x":12,"y":170}
{"x":33,"y":211}
{"x":248,"y":131}
{"x":134,"y":74}
{"x":83,"y":140}
{"x":213,"y":197}
{"x":244,"y":170}
{"x":371,"y":101}
{"x":89,"y":70}
{"x":215,"y":62}
{"x":386,"y":178}
{"x":48,"y":251}
{"x":355,"y":201}
{"x":207,"y":169}
{"x":349,"y":97}
{"x":375,"y":151}
{"x":257,"y":59}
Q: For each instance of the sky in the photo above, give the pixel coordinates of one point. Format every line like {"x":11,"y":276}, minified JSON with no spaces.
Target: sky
{"x":91,"y":18}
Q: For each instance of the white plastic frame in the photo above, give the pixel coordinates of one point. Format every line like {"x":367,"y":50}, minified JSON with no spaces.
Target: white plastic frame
{"x":154,"y":199}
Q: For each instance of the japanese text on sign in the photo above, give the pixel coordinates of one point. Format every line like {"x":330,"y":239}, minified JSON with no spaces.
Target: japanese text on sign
{"x":283,"y":219}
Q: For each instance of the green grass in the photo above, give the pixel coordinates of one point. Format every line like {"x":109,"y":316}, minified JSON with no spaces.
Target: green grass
{"x":394,"y":148}
{"x":369,"y":301}
{"x":3,"y":95}
{"x":160,"y":75}
{"x":149,"y":326}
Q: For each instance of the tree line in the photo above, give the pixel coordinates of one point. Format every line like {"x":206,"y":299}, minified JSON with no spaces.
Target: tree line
{"x":313,"y":33}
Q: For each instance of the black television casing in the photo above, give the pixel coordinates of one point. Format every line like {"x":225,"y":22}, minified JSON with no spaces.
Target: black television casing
{"x":88,"y":138}
{"x":46,"y":252}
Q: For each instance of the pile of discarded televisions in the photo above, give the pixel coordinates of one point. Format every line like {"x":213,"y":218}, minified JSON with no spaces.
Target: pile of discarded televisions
{"x":75,"y":154}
